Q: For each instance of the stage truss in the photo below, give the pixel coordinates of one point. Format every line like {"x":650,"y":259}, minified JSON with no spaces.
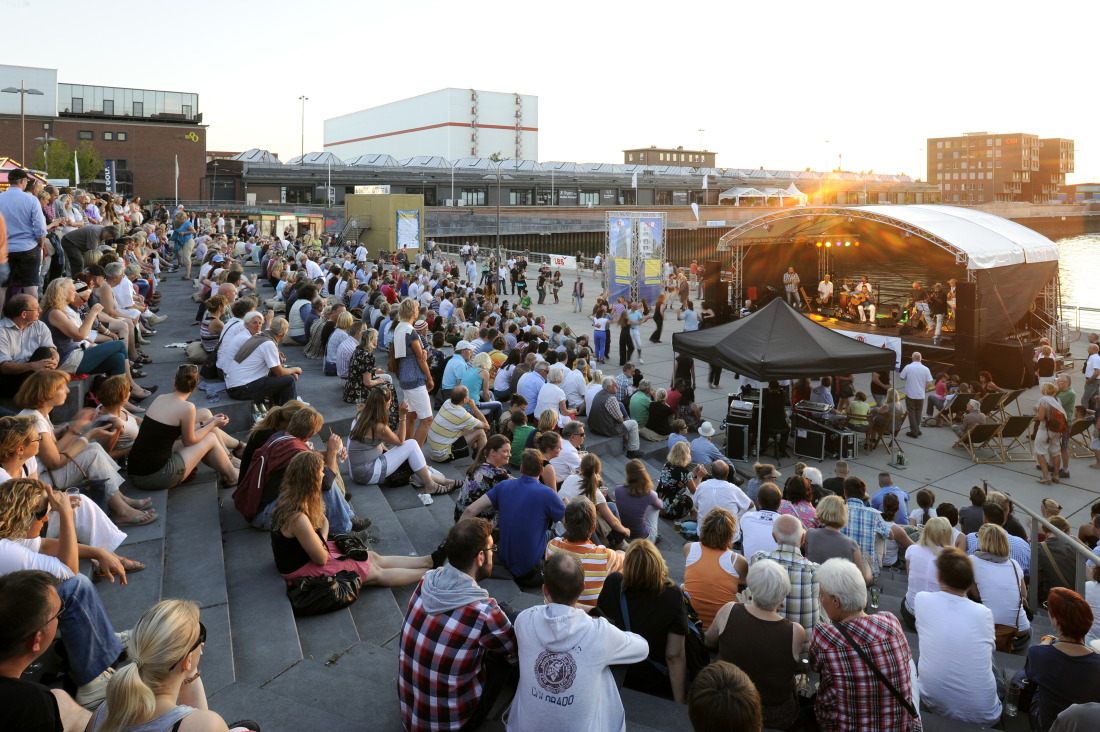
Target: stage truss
{"x":1047,"y":305}
{"x":642,"y":247}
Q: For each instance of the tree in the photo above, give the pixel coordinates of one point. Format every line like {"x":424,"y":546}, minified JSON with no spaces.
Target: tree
{"x":60,"y":163}
{"x":90,"y":163}
{"x":497,"y":157}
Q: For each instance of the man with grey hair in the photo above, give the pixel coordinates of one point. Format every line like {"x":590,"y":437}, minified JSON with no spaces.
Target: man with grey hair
{"x":606,"y":418}
{"x":719,"y":492}
{"x":257,"y":368}
{"x":1092,"y":376}
{"x":803,"y":605}
{"x":598,"y":561}
{"x":251,"y":324}
{"x":971,"y":419}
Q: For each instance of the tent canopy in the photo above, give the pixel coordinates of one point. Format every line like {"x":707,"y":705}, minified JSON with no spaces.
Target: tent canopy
{"x":777,"y":342}
{"x":742,"y":192}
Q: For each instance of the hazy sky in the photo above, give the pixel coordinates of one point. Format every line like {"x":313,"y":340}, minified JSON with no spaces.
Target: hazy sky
{"x":770,"y":83}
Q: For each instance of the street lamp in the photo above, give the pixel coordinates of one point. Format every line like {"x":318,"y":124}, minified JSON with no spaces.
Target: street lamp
{"x":304,"y":99}
{"x":920,"y":172}
{"x":215,"y":183}
{"x":46,"y":140}
{"x":22,"y":91}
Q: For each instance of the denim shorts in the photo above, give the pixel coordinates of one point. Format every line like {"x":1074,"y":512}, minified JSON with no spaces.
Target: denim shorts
{"x":167,"y":477}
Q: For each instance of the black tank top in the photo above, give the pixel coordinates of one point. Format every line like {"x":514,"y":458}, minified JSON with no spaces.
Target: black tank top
{"x":290,"y":556}
{"x":153,"y":447}
{"x":762,"y":649}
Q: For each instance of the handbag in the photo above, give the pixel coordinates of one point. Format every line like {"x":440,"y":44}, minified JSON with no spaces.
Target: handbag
{"x":351,"y":546}
{"x":196,"y":354}
{"x":1004,"y":636}
{"x":323,"y":594}
{"x":96,"y":489}
{"x":878,"y":674}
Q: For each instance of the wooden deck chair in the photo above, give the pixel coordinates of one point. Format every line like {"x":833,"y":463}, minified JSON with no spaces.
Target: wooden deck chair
{"x":1016,"y":430}
{"x":954,"y":410}
{"x":888,"y":436}
{"x":980,"y":437}
{"x":1080,"y":437}
{"x":1010,"y":397}
{"x":990,"y":402}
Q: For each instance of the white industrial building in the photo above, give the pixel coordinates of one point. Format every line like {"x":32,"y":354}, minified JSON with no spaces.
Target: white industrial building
{"x":449,"y":123}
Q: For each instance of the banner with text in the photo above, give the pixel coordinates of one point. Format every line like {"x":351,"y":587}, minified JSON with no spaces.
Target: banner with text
{"x":620,"y":238}
{"x":873,"y":339}
{"x":562,"y":261}
{"x":650,"y":286}
{"x":620,"y":278}
{"x":109,"y":180}
{"x":408,"y":229}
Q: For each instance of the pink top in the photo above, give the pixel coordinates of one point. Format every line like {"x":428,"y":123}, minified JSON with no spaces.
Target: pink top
{"x":941,"y":389}
{"x":803,"y":511}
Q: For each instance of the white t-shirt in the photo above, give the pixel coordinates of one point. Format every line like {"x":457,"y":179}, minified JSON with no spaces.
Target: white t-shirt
{"x":41,"y":423}
{"x":571,"y":488}
{"x":256,"y":366}
{"x":714,"y":493}
{"x":361,"y":254}
{"x":124,"y":293}
{"x":1000,"y":590}
{"x":550,"y":397}
{"x":923,"y":576}
{"x":955,"y":670}
{"x":574,"y":387}
{"x":1091,"y":365}
{"x":29,"y":469}
{"x":15,"y":556}
{"x":1092,"y":596}
{"x":503,"y":378}
{"x":589,"y":395}
{"x":917,"y":377}
{"x":756,"y":532}
{"x":918,"y":514}
{"x":567,"y":461}
{"x":230,"y":345}
{"x":314,"y":270}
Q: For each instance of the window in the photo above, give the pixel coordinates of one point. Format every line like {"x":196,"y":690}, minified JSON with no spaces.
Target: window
{"x":630,"y":156}
{"x":521,"y":197}
{"x":121,"y":136}
{"x":662,"y":198}
{"x":121,"y":164}
{"x":108,"y":135}
{"x":939,"y":144}
{"x":989,"y":142}
{"x":997,"y":142}
{"x":473,"y":196}
{"x":590,"y":197}
{"x":78,"y":105}
{"x":85,"y":135}
{"x":139,"y":109}
{"x":939,"y":166}
{"x":939,"y":156}
{"x":662,"y":156}
{"x":939,"y":176}
{"x":108,"y":106}
{"x":954,"y":155}
{"x":964,"y":166}
{"x":641,"y":156}
{"x":998,"y":164}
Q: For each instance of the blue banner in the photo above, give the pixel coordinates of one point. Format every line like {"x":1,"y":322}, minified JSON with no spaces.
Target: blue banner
{"x":109,"y":175}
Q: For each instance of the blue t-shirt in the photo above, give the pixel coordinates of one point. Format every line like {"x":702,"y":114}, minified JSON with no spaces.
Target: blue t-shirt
{"x":527,"y":508}
{"x":1063,"y":680}
{"x":691,"y":321}
{"x":704,"y":451}
{"x":358,"y":299}
{"x":635,"y":317}
{"x":456,"y":367}
{"x":674,"y":438}
{"x":903,"y":499}
{"x":471,"y":379}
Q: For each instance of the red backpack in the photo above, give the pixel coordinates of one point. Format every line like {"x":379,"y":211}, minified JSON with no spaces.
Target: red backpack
{"x":1056,"y":420}
{"x":273,"y":456}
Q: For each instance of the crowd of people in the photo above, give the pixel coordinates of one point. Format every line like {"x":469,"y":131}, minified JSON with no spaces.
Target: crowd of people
{"x":776,"y":577}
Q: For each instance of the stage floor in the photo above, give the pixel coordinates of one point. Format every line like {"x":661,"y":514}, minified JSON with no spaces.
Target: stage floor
{"x":917,"y":340}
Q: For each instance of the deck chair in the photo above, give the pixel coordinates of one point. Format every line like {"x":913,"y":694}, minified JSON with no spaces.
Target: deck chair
{"x":889,"y":434}
{"x":1011,"y":440}
{"x":1080,"y":437}
{"x":1001,"y":411}
{"x":979,"y":438}
{"x":990,"y":402}
{"x":954,"y":410}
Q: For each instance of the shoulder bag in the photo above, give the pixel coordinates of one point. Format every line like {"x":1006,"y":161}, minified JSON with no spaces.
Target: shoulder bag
{"x":323,"y":594}
{"x":878,"y":674}
{"x":96,"y":489}
{"x":1005,"y":635}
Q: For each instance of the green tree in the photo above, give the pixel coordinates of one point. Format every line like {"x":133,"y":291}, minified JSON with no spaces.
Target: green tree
{"x":60,"y":163}
{"x":91,"y":165}
{"x":497,"y":157}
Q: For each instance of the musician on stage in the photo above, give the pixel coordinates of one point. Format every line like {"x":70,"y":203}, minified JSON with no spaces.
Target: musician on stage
{"x":937,"y":305}
{"x":866,"y":307}
{"x":748,"y":310}
{"x":824,"y":293}
{"x":951,"y":298}
{"x":920,"y":303}
{"x":790,"y":284}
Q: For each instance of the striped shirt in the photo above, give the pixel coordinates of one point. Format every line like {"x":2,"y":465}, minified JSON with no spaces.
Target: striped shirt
{"x":449,"y":424}
{"x":598,"y":562}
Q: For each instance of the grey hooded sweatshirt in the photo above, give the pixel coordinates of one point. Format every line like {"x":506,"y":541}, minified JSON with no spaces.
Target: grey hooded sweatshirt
{"x":564,"y":679}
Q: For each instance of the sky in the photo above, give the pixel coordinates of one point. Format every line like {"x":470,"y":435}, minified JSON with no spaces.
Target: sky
{"x":769,"y":83}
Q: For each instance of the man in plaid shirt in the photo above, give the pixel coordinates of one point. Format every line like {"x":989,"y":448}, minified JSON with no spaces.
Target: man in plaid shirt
{"x":850,"y":698}
{"x":802,"y":605}
{"x":864,"y":523}
{"x":458,"y":648}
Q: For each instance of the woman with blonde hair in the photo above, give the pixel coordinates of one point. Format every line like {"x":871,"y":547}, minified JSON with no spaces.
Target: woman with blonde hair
{"x":160,"y":688}
{"x":343,"y":324}
{"x":999,"y":584}
{"x":657,"y":612}
{"x":299,"y":534}
{"x":678,"y":482}
{"x":920,"y":563}
{"x":588,"y":483}
{"x":72,"y":457}
{"x":828,"y":541}
{"x":712,"y":571}
{"x":639,"y":506}
{"x":1047,"y":441}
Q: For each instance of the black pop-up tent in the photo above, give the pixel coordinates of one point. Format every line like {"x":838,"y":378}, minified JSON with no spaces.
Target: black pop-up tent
{"x":777,"y":342}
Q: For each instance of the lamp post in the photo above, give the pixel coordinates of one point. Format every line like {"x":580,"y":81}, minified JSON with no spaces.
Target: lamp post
{"x":22,"y":91}
{"x":304,"y":99}
{"x":46,"y":140}
{"x":215,"y":183}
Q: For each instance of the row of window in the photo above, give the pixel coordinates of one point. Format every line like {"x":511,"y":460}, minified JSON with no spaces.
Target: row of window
{"x":955,"y":176}
{"x":981,"y":164}
{"x":1026,"y":141}
{"x":109,"y":136}
{"x":988,"y":154}
{"x":670,"y":158}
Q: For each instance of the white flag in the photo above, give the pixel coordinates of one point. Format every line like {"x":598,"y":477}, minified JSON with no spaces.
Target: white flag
{"x":76,"y":168}
{"x":177,"y":167}
{"x":704,"y":182}
{"x":634,"y":180}
{"x":695,"y":208}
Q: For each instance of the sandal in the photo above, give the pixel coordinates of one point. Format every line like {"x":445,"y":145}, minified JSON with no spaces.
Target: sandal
{"x":143,"y":503}
{"x":140,"y":520}
{"x":1043,"y":481}
{"x":148,"y":392}
{"x":134,"y":373}
{"x":240,"y":446}
{"x":447,"y":487}
{"x":130,"y":565}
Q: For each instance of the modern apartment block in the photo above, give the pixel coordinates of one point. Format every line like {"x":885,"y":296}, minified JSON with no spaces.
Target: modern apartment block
{"x":987,"y":167}
{"x":654,"y":155}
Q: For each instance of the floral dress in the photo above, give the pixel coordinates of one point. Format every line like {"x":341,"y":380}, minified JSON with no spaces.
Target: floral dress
{"x":673,"y":491}
{"x":483,"y":480}
{"x":362,"y":362}
{"x":683,"y":410}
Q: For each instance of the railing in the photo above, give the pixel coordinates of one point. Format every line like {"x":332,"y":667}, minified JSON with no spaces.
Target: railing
{"x":1083,"y":554}
{"x":302,"y":209}
{"x":1078,"y":317}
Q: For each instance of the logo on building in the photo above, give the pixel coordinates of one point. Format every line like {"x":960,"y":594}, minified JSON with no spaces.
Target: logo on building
{"x":192,"y":136}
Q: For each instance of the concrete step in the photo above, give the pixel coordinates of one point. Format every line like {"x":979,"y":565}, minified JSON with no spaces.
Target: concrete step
{"x":194,"y":563}
{"x":274,"y":710}
{"x":369,"y":501}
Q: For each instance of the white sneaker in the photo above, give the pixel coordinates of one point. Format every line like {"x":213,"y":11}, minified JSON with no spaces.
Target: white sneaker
{"x":641,"y":360}
{"x":95,"y":691}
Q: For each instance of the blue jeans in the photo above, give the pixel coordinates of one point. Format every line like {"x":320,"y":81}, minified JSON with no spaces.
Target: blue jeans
{"x":491,"y":410}
{"x":106,"y":358}
{"x":337,"y":509}
{"x":87,"y":633}
{"x":600,"y":337}
{"x":142,"y":287}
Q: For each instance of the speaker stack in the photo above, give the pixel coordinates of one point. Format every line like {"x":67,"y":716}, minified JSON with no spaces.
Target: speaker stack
{"x":713,"y":292}
{"x":969,"y":321}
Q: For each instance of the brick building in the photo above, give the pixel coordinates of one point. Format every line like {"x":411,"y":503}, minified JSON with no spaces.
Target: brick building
{"x":143,"y":131}
{"x":984,"y":167}
{"x":654,"y":155}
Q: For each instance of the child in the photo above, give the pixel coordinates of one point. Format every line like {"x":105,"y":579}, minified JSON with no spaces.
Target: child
{"x":520,"y":432}
{"x":506,"y":425}
{"x":956,"y":384}
{"x":937,"y":401}
{"x":925,"y":499}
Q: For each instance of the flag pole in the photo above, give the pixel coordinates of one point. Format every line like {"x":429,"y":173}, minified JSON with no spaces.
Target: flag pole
{"x":177,"y":180}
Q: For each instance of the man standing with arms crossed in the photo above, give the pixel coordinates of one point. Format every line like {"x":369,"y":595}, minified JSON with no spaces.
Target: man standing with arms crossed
{"x":917,"y":379}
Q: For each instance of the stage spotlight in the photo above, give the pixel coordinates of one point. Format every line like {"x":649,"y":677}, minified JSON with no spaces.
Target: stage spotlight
{"x":819,"y":244}
{"x":847,"y":243}
{"x":838,"y":243}
{"x":828,"y":243}
{"x":857,"y":243}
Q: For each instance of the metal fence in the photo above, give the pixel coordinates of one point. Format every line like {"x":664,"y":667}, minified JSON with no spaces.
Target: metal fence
{"x":1081,"y":318}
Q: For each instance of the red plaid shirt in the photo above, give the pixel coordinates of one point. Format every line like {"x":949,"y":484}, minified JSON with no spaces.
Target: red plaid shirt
{"x":850,"y":698}
{"x":441,"y":661}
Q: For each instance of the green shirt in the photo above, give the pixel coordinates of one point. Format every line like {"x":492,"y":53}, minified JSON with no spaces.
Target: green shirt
{"x":639,"y":408}
{"x":519,"y":441}
{"x":1068,"y":398}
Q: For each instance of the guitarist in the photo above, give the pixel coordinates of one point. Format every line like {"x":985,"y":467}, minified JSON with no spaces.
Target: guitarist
{"x":864,"y":301}
{"x":790,"y":285}
{"x":824,"y":293}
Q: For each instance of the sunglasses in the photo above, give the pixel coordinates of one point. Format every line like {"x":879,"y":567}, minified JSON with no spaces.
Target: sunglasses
{"x":41,"y":513}
{"x":60,"y":613}
{"x":199,"y":642}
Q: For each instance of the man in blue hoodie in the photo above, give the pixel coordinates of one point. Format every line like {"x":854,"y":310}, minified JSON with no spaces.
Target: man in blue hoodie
{"x":565,"y":682}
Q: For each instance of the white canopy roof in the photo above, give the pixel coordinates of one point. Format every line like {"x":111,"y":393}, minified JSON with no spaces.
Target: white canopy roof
{"x":742,"y":192}
{"x":989,"y":241}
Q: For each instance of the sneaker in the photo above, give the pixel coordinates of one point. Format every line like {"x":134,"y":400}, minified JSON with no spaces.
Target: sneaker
{"x":1063,"y":473}
{"x":95,"y":691}
{"x":358,"y":524}
{"x":634,"y":454}
{"x":641,"y":360}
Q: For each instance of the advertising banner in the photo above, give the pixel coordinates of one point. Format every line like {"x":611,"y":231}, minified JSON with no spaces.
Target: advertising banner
{"x":881,"y":341}
{"x":562,"y":261}
{"x":650,"y":238}
{"x":620,"y":238}
{"x":109,"y":175}
{"x":650,"y":285}
{"x":620,"y":278}
{"x":408,"y":229}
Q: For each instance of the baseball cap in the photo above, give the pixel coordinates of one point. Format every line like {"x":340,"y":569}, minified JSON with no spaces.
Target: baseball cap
{"x":17,"y":174}
{"x":133,"y":269}
{"x":463,"y":346}
{"x":218,"y":258}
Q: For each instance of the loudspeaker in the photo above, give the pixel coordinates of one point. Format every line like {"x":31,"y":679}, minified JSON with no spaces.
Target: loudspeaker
{"x":712,"y":283}
{"x":738,"y":442}
{"x":969,"y":313}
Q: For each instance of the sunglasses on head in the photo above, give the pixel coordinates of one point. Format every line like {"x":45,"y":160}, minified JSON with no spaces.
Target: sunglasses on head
{"x":199,"y":642}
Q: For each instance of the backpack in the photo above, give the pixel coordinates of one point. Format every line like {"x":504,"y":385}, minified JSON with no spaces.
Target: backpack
{"x":1056,"y":421}
{"x":273,"y":456}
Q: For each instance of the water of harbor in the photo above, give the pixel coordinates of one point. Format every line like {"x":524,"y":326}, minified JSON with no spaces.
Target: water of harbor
{"x":1079,"y":270}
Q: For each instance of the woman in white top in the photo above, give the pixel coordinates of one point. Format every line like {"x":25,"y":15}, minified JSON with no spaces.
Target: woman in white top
{"x":502,"y":383}
{"x":999,"y":582}
{"x":589,"y":483}
{"x":72,"y":457}
{"x":1048,"y":444}
{"x":113,"y":395}
{"x":552,"y":396}
{"x":1092,"y":597}
{"x":920,"y":563}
